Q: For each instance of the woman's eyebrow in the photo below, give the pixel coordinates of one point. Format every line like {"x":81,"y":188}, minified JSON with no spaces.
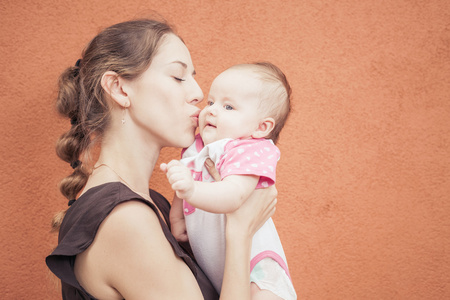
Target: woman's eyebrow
{"x":184,"y":65}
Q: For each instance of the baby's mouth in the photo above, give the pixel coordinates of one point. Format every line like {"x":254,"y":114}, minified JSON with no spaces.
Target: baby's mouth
{"x":210,"y":125}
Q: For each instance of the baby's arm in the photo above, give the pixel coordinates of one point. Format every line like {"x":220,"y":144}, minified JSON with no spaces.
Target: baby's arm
{"x":217,"y":197}
{"x":223,"y":196}
{"x":177,"y":221}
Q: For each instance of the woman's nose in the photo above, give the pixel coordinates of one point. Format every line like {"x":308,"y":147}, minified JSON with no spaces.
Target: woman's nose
{"x":196,"y":94}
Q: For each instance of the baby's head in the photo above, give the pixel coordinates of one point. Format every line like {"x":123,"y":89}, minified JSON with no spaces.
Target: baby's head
{"x":246,"y":101}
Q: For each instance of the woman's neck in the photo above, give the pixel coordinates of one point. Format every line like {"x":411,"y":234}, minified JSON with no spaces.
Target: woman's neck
{"x":130,"y":159}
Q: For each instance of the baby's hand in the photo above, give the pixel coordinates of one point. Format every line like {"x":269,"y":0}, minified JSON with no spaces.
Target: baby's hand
{"x":180,"y":179}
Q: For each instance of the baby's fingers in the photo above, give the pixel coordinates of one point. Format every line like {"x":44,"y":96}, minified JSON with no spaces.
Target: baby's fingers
{"x":163,"y":167}
{"x":166,"y":167}
{"x":180,"y":185}
{"x":173,"y":163}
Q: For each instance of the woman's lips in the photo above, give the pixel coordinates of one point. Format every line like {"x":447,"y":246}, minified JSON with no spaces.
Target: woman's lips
{"x":195,"y":121}
{"x":194,"y":117}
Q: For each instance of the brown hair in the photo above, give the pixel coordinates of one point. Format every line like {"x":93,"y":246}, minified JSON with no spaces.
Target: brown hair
{"x":275,"y":94}
{"x":126,"y":48}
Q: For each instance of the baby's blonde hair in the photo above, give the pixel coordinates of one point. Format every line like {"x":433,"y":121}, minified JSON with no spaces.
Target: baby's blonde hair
{"x":275,"y":94}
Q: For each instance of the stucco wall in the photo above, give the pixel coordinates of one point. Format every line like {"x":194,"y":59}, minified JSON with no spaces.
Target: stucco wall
{"x":364,"y":179}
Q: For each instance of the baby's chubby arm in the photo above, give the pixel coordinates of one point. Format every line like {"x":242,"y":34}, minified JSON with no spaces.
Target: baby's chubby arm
{"x":216,"y":197}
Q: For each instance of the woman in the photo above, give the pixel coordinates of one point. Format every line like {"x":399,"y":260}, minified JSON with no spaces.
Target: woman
{"x":133,"y":92}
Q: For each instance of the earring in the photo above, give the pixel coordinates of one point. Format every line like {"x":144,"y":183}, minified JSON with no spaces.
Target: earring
{"x":123,"y":116}
{"x":127,"y":104}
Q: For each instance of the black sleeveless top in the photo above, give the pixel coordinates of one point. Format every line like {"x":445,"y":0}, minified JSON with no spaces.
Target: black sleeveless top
{"x":80,"y":226}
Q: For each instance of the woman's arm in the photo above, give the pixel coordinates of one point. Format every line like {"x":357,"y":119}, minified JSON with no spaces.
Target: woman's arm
{"x":131,"y":256}
{"x":237,"y":264}
{"x":177,"y":221}
{"x":240,"y":228}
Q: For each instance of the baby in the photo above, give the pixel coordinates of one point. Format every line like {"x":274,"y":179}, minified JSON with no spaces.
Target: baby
{"x":247,"y":107}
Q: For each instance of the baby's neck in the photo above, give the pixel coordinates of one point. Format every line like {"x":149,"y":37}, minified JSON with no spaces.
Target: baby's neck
{"x":241,"y":138}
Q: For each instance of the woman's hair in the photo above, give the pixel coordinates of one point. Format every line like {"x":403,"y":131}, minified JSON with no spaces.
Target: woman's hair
{"x":275,"y":94}
{"x":127,"y":49}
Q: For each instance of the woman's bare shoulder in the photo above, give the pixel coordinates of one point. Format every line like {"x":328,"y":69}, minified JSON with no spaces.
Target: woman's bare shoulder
{"x":131,"y":225}
{"x":132,"y":214}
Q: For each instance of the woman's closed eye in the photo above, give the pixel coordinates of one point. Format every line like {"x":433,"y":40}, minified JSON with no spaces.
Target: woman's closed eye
{"x":179,"y":79}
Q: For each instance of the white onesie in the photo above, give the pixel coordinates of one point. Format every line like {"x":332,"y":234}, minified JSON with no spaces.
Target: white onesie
{"x":206,"y":231}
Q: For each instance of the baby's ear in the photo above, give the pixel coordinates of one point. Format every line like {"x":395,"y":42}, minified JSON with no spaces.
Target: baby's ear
{"x":264,"y":129}
{"x":114,"y":87}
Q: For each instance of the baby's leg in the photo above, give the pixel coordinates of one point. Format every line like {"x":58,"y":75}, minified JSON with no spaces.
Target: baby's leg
{"x":258,"y":294}
{"x":270,"y":281}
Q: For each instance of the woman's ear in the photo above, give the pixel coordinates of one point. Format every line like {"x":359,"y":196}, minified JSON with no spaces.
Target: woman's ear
{"x":264,"y":129}
{"x":113,"y":86}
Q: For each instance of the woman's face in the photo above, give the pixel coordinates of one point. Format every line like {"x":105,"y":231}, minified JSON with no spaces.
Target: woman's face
{"x":163,"y":99}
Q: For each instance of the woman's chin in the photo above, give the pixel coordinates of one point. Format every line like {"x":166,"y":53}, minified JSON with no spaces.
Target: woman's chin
{"x":187,"y":141}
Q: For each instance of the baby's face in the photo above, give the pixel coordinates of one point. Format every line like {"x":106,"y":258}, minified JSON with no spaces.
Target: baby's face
{"x":232,"y":109}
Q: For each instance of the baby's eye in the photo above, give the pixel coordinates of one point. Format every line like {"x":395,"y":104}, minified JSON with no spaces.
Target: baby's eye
{"x":228,"y":107}
{"x":210,"y":103}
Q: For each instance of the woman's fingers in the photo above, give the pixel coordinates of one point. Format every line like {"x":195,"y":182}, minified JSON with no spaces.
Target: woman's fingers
{"x":256,"y":210}
{"x":209,"y":164}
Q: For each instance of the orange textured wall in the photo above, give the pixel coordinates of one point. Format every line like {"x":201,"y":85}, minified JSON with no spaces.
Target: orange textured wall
{"x":364,"y":179}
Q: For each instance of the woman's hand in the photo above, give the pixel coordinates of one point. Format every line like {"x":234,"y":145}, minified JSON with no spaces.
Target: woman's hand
{"x":241,"y":225}
{"x":209,"y":164}
{"x":255,"y":211}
